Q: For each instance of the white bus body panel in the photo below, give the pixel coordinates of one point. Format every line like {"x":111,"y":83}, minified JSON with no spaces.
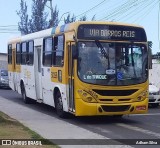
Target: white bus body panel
{"x":36,"y":78}
{"x":11,"y":80}
{"x":47,"y":86}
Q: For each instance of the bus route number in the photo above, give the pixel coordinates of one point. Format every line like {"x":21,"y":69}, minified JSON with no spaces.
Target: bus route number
{"x":53,"y":74}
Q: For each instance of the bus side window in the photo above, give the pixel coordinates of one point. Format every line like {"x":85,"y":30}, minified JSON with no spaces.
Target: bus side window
{"x":58,"y":51}
{"x":9,"y":54}
{"x":24,"y":55}
{"x":30,"y":53}
{"x":47,"y":51}
{"x":18,"y":53}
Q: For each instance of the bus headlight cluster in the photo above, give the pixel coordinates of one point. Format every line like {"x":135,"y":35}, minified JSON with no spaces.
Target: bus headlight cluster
{"x":86,"y":96}
{"x":142,"y":96}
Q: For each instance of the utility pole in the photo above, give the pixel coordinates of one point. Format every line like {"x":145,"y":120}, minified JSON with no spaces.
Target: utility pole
{"x":158,"y":25}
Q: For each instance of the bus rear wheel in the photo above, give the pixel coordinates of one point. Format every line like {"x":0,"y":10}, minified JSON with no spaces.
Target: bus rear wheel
{"x":59,"y":106}
{"x":23,"y":92}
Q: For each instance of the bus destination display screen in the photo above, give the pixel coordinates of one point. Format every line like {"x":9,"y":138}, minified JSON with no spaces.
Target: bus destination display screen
{"x":111,"y":32}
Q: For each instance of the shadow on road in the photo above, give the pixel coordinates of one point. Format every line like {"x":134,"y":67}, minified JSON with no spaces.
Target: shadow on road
{"x":46,"y":109}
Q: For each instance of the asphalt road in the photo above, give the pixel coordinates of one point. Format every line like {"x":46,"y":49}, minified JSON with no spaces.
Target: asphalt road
{"x":145,"y":126}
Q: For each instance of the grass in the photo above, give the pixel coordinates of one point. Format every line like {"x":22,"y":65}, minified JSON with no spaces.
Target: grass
{"x":12,"y":129}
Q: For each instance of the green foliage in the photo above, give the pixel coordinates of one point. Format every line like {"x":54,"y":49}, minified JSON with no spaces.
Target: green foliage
{"x":39,"y":18}
{"x":83,"y":18}
{"x":93,"y":18}
{"x":150,"y":54}
{"x":54,"y":21}
{"x":22,"y":13}
{"x":150,"y":44}
{"x":69,"y":19}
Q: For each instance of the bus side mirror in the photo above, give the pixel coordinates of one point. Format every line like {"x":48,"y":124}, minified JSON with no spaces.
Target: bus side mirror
{"x":74,"y":52}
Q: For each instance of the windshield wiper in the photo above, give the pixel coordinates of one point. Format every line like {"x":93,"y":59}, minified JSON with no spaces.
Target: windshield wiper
{"x":132,"y":54}
{"x":103,"y":52}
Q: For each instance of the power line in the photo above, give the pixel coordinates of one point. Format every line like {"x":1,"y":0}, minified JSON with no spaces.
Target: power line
{"x":9,"y":26}
{"x":9,"y":32}
{"x":90,"y":9}
{"x":132,"y":12}
{"x":137,"y":10}
{"x":117,"y":10}
{"x":9,"y":29}
{"x":110,"y":7}
{"x":128,"y":9}
{"x":124,"y":9}
{"x":149,"y":10}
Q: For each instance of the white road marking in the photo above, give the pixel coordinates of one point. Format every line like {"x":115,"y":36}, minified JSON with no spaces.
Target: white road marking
{"x":149,"y":114}
{"x":135,"y":128}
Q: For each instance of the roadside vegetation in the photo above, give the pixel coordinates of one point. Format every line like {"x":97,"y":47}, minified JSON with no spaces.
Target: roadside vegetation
{"x":12,"y":129}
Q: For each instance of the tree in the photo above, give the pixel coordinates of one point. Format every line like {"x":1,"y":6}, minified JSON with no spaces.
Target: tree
{"x":83,"y":18}
{"x":93,"y":18}
{"x":22,"y":13}
{"x":150,"y":44}
{"x":54,"y":21}
{"x":38,"y":18}
{"x":69,"y":19}
{"x":150,"y":53}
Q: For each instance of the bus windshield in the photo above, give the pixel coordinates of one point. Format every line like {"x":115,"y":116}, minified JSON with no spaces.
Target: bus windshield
{"x":112,"y":64}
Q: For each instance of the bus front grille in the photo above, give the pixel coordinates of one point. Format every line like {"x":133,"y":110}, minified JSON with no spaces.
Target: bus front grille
{"x":112,"y":100}
{"x":115,"y":92}
{"x":119,"y":108}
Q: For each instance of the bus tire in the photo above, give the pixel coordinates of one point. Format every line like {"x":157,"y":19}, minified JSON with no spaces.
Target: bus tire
{"x":23,"y":92}
{"x":59,"y":106}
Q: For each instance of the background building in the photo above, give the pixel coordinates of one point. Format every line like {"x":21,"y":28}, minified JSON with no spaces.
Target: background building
{"x":3,"y":61}
{"x":154,"y":73}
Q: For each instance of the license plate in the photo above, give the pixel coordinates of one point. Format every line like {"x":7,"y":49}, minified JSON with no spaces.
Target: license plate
{"x":140,"y":108}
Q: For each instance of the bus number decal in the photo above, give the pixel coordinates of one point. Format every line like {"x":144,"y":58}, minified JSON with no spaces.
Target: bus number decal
{"x":53,"y":74}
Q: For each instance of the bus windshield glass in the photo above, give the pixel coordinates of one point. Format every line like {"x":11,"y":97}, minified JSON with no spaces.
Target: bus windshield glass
{"x":112,"y":64}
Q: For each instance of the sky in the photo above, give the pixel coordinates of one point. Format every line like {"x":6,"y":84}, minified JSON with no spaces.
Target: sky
{"x":141,"y":12}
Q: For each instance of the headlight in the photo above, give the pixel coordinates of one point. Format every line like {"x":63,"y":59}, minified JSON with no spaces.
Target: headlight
{"x":4,"y":80}
{"x":86,"y":96}
{"x":142,"y":96}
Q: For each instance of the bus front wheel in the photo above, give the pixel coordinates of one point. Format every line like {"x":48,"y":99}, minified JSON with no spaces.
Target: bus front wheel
{"x":59,"y":106}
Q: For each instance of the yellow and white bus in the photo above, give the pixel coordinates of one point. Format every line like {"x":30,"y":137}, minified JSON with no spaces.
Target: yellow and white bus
{"x":84,"y":68}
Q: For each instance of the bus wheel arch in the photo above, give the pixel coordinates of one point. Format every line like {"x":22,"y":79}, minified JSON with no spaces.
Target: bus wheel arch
{"x":58,"y":103}
{"x":23,"y":92}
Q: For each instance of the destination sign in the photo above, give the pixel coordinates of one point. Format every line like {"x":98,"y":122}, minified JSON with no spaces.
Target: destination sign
{"x":111,"y":32}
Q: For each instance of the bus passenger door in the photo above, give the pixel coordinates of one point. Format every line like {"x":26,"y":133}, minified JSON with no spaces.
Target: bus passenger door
{"x":71,"y":78}
{"x":38,"y":72}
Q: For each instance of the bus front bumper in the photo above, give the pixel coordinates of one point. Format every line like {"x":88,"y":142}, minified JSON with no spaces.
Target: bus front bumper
{"x":93,"y":109}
